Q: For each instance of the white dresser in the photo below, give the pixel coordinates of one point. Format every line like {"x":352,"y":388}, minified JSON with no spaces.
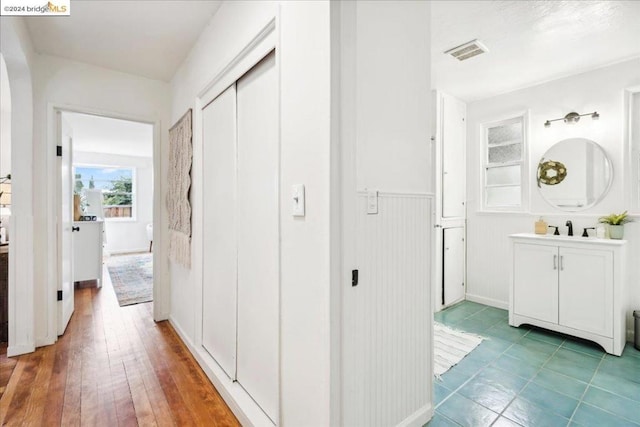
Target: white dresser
{"x":573,"y":285}
{"x":87,"y":251}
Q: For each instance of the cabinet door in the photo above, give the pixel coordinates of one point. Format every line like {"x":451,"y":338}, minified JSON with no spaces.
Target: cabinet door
{"x":454,"y":168}
{"x":586,"y":290}
{"x":453,"y":275}
{"x":535,"y":281}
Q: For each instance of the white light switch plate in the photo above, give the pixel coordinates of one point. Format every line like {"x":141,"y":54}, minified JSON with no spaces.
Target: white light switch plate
{"x":297,"y":198}
{"x":372,"y":202}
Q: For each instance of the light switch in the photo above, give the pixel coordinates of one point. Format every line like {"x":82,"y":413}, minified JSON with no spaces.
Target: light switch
{"x":372,"y":202}
{"x":297,"y":194}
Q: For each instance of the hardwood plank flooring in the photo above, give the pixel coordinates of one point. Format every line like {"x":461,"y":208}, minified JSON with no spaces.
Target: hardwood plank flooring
{"x":113,"y":366}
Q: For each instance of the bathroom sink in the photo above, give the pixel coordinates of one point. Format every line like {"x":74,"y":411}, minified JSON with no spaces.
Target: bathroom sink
{"x":561,"y":238}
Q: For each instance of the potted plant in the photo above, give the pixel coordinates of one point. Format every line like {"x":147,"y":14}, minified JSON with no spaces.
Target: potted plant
{"x":616,"y":224}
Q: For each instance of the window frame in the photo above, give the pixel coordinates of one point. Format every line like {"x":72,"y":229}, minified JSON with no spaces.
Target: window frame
{"x":633,"y":150}
{"x":485,"y":165}
{"x":134,"y":185}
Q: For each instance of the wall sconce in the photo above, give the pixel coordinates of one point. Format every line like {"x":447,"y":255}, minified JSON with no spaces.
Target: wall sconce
{"x":573,"y":118}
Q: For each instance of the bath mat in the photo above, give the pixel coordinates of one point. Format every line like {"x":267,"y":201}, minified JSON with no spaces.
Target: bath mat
{"x":132,"y":278}
{"x":450,"y":347}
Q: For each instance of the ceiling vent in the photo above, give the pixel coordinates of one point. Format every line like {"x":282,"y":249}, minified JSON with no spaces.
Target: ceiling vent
{"x":467,"y":50}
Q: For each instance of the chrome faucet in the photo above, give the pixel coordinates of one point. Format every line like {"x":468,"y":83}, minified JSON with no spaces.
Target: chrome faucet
{"x":570,"y":225}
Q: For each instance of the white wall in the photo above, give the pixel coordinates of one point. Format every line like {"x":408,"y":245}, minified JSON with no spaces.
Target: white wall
{"x":5,"y":120}
{"x":601,"y":90}
{"x":78,"y":86}
{"x":303,"y":60}
{"x":124,"y":235}
{"x":17,"y":50}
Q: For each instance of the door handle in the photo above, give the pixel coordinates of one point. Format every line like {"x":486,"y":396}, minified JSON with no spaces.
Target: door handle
{"x":75,"y":228}
{"x":555,"y":265}
{"x":561,"y":262}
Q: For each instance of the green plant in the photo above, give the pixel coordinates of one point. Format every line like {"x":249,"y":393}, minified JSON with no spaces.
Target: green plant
{"x":615,"y":219}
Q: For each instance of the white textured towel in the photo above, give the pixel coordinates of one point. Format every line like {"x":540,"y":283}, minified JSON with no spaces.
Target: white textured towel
{"x":450,"y":347}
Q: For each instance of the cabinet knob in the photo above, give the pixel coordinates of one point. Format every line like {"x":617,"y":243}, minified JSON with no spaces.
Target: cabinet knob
{"x":75,"y":228}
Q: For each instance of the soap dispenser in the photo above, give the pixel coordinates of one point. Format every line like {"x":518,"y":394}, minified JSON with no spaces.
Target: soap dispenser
{"x":541,"y":226}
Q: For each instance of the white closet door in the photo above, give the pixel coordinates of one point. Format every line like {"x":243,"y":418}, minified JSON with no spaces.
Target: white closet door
{"x":453,"y":276}
{"x":258,"y":234}
{"x":220,"y":271}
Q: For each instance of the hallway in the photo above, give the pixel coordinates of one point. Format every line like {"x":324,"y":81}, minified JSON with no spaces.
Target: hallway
{"x":113,"y":366}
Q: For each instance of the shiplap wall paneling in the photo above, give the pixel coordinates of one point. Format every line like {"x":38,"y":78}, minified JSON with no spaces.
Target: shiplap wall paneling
{"x":387,"y":317}
{"x":258,"y":235}
{"x":220,"y":273}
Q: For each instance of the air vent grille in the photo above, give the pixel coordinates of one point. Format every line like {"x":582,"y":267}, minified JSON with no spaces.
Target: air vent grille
{"x":467,"y":50}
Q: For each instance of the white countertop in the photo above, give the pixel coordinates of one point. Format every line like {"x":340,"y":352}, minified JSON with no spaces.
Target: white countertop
{"x":571,"y":239}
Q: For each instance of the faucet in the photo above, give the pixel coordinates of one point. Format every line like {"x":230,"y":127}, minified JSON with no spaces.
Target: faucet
{"x":570,"y":225}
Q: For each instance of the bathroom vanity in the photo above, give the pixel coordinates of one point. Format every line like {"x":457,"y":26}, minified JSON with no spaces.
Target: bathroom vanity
{"x":573,"y":285}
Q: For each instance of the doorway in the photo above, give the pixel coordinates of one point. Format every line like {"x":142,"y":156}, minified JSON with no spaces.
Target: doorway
{"x":110,"y":192}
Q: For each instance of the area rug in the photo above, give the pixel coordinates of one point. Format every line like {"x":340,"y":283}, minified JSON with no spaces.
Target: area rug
{"x":132,"y":278}
{"x":450,"y":347}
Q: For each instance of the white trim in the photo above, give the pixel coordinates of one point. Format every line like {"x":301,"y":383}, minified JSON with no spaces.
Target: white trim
{"x":418,"y":418}
{"x":242,"y":405}
{"x":161,"y":294}
{"x":632,"y":150}
{"x":239,"y":401}
{"x":488,"y":301}
{"x":524,"y":118}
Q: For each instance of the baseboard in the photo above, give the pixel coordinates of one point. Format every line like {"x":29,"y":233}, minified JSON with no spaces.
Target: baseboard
{"x":240,"y":403}
{"x":418,"y":418}
{"x":129,"y":251}
{"x":45,"y":341}
{"x":488,"y":301}
{"x":17,"y":350}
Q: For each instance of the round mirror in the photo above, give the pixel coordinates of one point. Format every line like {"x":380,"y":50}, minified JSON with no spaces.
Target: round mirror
{"x":574,"y":174}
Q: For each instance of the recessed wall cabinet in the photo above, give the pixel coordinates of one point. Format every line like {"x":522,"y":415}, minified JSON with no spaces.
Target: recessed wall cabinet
{"x":572,"y":285}
{"x":450,"y":213}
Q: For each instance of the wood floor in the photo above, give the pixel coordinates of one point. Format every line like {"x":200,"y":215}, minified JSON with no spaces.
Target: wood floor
{"x":113,"y":366}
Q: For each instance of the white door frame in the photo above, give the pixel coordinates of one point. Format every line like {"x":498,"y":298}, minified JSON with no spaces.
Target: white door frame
{"x":161,"y":291}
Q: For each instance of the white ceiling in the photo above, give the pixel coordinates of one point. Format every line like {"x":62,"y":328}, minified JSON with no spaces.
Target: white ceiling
{"x":529,"y":42}
{"x":95,"y":134}
{"x":146,"y":38}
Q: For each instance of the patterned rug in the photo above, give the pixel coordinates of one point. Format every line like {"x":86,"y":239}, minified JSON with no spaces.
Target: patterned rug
{"x":132,"y":278}
{"x":450,"y":347}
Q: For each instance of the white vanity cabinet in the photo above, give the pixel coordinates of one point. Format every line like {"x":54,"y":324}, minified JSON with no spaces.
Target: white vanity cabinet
{"x":572,"y":285}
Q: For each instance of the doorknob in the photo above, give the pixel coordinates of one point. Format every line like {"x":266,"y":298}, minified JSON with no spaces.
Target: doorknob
{"x":75,"y":228}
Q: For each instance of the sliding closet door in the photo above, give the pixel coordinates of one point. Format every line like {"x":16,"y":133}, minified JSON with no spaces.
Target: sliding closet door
{"x":220,"y":271}
{"x":258,"y":234}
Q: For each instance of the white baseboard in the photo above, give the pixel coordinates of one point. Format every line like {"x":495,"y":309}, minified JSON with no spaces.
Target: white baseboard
{"x":418,"y":418}
{"x":128,"y":251}
{"x":17,"y":350}
{"x":488,"y":301}
{"x":42,"y":342}
{"x":239,"y":401}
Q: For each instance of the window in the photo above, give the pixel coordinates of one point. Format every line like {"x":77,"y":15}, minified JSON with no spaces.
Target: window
{"x":503,"y":164}
{"x":116,"y":185}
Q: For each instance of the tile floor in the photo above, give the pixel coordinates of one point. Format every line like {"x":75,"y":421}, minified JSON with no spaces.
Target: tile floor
{"x":531,"y":377}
